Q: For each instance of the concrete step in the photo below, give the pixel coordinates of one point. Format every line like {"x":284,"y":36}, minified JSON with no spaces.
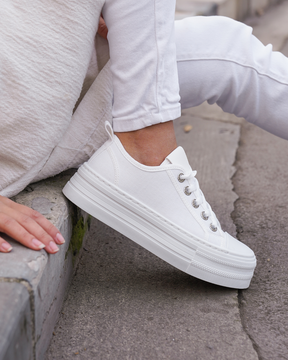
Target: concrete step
{"x":235,"y":9}
{"x":185,"y":8}
{"x":33,"y":283}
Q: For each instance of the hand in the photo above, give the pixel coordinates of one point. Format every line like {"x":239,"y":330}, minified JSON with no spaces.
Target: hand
{"x":28,"y":227}
{"x":102,"y":28}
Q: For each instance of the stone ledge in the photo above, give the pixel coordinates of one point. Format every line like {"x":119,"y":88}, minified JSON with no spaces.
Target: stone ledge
{"x":33,"y":283}
{"x":15,"y":319}
{"x":235,"y":9}
{"x":186,"y":8}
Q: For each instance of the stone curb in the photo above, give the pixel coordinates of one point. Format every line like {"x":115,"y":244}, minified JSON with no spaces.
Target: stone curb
{"x":33,"y":283}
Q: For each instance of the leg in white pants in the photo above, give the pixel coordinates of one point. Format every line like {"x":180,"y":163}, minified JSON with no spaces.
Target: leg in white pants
{"x":143,"y":62}
{"x":219,"y":60}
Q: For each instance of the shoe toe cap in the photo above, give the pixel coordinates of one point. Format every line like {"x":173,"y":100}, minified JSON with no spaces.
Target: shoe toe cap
{"x":237,"y":247}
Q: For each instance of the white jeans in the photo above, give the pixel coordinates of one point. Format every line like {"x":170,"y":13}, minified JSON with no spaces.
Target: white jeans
{"x":218,"y":60}
{"x":143,"y":62}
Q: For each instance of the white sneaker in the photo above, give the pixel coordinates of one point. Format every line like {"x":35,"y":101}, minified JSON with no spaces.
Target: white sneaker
{"x":162,"y":209}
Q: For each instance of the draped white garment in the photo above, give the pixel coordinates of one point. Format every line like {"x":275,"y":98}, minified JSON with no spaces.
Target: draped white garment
{"x":40,"y":42}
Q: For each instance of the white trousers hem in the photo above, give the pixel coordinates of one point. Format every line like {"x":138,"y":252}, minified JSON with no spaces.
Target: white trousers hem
{"x":123,"y":125}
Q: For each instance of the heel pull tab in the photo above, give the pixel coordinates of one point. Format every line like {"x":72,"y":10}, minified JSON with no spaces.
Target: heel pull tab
{"x":109,"y":129}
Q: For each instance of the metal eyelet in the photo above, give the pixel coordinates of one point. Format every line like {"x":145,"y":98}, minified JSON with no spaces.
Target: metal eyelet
{"x":194,"y":204}
{"x":179,"y":178}
{"x":204,"y":216}
{"x":213,"y":227}
{"x":186,"y":191}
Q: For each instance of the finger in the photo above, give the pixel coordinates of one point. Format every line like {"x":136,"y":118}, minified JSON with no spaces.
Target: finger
{"x":5,"y":246}
{"x":102,"y":28}
{"x":13,"y":229}
{"x":26,"y":225}
{"x":37,"y":217}
{"x":46,"y":225}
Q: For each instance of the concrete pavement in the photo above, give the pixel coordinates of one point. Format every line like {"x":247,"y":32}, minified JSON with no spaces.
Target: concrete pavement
{"x":125,"y":303}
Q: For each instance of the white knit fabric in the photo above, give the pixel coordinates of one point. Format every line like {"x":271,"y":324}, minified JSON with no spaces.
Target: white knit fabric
{"x":45,"y":49}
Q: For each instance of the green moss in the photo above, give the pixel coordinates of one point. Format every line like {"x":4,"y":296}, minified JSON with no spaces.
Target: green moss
{"x":80,"y":226}
{"x":89,"y":221}
{"x":77,"y":235}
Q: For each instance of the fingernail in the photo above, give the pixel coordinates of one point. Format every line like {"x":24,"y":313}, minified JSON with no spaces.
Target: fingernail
{"x":39,"y":245}
{"x":60,"y":239}
{"x":53,"y":247}
{"x":6,"y":247}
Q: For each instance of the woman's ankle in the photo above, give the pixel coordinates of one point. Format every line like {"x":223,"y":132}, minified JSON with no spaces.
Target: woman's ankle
{"x":151,"y":145}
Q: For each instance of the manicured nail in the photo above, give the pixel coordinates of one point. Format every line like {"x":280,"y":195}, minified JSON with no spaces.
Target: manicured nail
{"x":6,"y":247}
{"x":60,"y":239}
{"x":53,"y":247}
{"x":38,"y":244}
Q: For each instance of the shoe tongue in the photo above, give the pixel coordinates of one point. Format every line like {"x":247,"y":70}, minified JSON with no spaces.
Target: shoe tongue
{"x":178,"y":157}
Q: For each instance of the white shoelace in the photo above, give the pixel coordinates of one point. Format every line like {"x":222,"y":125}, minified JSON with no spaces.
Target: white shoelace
{"x":199,"y":199}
